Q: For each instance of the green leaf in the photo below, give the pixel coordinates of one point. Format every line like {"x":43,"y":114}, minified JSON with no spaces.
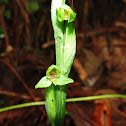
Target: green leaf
{"x":4,"y":1}
{"x":69,"y":46}
{"x":7,"y":13}
{"x":2,"y":102}
{"x":66,"y":112}
{"x":88,"y":26}
{"x":43,"y":83}
{"x":1,"y":32}
{"x":63,"y":80}
{"x":33,"y":6}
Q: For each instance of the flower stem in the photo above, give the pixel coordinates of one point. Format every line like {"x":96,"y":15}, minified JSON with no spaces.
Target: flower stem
{"x":65,"y":46}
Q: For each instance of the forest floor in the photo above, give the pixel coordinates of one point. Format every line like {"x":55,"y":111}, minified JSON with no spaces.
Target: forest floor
{"x":28,"y":49}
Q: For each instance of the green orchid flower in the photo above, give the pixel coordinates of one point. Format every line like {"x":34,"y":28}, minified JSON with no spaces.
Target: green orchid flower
{"x":53,"y":76}
{"x":66,"y":13}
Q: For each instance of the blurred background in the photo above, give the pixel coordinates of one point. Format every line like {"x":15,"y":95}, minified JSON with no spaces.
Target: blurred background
{"x":27,"y":49}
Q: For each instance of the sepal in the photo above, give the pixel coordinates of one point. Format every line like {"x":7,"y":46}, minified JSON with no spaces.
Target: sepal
{"x":43,"y":83}
{"x":63,"y":80}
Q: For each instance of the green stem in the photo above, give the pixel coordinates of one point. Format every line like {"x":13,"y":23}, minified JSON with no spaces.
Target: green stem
{"x":22,"y":105}
{"x":50,"y":103}
{"x":65,"y":46}
{"x":60,"y":104}
{"x":58,"y":32}
{"x":55,"y":98}
{"x":67,"y":100}
{"x":95,"y":97}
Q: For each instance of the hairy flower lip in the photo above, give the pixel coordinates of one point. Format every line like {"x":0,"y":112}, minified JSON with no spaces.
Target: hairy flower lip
{"x":53,"y":72}
{"x":53,"y":76}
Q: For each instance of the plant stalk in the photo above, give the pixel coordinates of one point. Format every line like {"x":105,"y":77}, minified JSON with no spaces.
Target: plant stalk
{"x":55,"y":97}
{"x":65,"y":46}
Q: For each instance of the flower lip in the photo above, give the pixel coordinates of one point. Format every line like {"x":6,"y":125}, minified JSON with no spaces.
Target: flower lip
{"x":53,"y":72}
{"x":67,"y":14}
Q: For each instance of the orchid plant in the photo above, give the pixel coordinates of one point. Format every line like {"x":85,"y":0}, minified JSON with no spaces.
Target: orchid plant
{"x":56,"y":78}
{"x":57,"y":75}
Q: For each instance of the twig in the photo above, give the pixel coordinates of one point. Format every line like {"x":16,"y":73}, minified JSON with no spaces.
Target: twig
{"x":48,"y":44}
{"x":80,"y":70}
{"x":23,"y":82}
{"x":26,"y":22}
{"x":16,"y":26}
{"x":13,"y":94}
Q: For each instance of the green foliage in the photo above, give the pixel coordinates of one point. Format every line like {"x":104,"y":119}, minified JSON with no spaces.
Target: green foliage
{"x":65,"y":41}
{"x":4,"y":1}
{"x":32,"y":6}
{"x":7,"y":13}
{"x":1,"y":32}
{"x":2,"y":102}
{"x":33,"y":49}
{"x":88,"y":26}
{"x":66,"y":112}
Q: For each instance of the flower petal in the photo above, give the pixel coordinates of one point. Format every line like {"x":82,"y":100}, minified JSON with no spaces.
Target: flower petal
{"x":43,"y":83}
{"x":63,"y":80}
